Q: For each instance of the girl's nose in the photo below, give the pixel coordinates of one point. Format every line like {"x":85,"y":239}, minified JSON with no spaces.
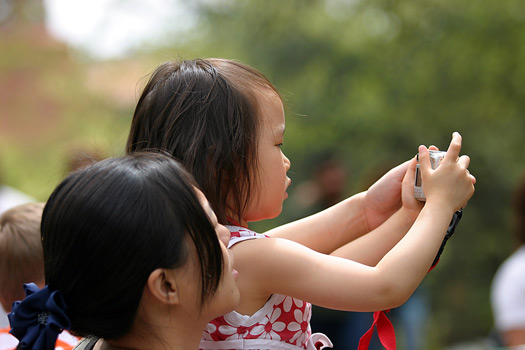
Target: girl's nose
{"x":287,"y":162}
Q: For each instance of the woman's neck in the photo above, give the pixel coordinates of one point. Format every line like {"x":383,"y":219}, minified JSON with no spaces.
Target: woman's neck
{"x":150,"y":335}
{"x":174,"y":341}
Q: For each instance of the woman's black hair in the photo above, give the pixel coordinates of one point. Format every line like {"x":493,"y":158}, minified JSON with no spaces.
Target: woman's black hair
{"x":106,"y":227}
{"x":205,"y":113}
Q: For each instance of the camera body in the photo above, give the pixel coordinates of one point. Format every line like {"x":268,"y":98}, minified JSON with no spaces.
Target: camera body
{"x":435,"y":159}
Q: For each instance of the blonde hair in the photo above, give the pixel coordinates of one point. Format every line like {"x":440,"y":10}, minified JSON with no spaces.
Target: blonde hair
{"x":21,"y":254}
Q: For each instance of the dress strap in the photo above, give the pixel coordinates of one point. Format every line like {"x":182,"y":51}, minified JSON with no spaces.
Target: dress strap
{"x":239,"y":234}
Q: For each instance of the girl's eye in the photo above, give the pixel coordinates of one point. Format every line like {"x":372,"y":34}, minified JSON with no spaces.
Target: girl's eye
{"x":280,"y":145}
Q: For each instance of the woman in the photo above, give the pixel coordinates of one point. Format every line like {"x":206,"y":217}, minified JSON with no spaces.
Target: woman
{"x":132,"y":260}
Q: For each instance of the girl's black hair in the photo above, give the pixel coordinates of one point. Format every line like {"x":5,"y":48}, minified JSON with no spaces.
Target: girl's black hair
{"x":106,"y":227}
{"x":205,"y":113}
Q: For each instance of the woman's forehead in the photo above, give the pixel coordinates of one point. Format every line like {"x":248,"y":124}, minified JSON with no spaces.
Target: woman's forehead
{"x":204,"y":202}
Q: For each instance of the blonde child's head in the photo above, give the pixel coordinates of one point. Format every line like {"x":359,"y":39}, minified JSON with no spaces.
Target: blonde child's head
{"x":207,"y":113}
{"x":21,"y":255}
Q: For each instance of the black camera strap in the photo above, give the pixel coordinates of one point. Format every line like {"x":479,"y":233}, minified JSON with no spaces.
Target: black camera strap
{"x":450,"y":231}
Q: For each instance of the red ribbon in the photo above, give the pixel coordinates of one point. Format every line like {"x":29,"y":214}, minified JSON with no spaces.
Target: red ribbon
{"x":385,"y":331}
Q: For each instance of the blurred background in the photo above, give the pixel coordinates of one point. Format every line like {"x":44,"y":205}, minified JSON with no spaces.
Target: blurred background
{"x":364,"y":82}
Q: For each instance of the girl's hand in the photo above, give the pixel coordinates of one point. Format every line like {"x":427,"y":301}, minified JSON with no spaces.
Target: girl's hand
{"x":450,"y":184}
{"x":383,"y":198}
{"x":409,"y":202}
{"x":390,"y":192}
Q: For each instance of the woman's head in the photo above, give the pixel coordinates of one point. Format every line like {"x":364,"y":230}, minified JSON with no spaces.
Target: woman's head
{"x":106,"y":228}
{"x":206,"y":113}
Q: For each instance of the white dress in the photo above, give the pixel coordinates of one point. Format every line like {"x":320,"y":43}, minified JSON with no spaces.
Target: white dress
{"x":283,"y":323}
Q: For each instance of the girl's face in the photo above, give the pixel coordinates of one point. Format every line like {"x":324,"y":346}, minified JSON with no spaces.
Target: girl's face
{"x":270,"y":190}
{"x":227,"y":296}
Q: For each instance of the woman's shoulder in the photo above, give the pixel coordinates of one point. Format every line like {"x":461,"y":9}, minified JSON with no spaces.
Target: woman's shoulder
{"x":87,"y":343}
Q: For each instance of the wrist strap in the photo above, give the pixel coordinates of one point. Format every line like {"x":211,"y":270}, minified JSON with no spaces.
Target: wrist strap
{"x":385,"y":331}
{"x":450,"y":231}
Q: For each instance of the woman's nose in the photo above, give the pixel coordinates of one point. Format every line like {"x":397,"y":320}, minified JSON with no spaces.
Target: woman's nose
{"x":224,"y":235}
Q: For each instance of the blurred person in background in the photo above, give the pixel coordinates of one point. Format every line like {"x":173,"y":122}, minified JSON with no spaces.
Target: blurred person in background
{"x":9,"y":198}
{"x":508,"y":285}
{"x":22,"y":261}
{"x":77,"y":156}
{"x":80,"y":156}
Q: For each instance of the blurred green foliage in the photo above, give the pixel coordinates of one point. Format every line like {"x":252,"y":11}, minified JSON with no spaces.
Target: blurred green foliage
{"x":369,"y":80}
{"x":372,"y":80}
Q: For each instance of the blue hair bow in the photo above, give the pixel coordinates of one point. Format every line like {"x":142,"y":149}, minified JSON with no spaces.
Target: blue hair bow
{"x":38,"y":319}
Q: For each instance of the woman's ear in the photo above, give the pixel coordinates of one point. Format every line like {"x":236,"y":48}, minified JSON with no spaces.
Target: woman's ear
{"x":162,"y":285}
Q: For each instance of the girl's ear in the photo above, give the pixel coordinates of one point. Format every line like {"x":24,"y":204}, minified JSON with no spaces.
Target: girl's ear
{"x":162,"y":285}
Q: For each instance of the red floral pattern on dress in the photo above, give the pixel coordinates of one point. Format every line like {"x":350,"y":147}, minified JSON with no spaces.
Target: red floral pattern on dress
{"x":282,"y":318}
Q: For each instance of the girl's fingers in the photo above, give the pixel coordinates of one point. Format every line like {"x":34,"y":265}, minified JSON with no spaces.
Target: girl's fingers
{"x":411,"y":171}
{"x":473,"y":178}
{"x":464,"y":160}
{"x":424,"y":159}
{"x":453,"y":149}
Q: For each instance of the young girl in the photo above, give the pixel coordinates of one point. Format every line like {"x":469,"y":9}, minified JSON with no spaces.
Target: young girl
{"x":132,"y":260}
{"x":225,"y":122}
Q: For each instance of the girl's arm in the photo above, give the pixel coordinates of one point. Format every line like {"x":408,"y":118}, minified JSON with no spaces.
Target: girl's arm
{"x":351,"y":218}
{"x":329,"y":229}
{"x":370,"y":248}
{"x":268,"y":266}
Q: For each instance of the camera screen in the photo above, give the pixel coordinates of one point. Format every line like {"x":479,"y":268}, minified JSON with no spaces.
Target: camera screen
{"x":418,"y":177}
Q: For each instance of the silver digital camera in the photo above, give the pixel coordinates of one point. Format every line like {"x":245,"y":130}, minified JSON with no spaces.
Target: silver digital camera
{"x":435,"y":159}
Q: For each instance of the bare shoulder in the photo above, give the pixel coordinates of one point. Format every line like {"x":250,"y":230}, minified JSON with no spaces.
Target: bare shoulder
{"x":261,"y":263}
{"x":268,"y":264}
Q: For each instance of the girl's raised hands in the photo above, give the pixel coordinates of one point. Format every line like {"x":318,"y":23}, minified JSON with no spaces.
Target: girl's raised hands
{"x":383,"y":198}
{"x":390,"y":192}
{"x":450,"y":185}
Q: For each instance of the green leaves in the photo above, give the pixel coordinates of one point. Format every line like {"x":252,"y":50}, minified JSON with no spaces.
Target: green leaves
{"x":374,"y":79}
